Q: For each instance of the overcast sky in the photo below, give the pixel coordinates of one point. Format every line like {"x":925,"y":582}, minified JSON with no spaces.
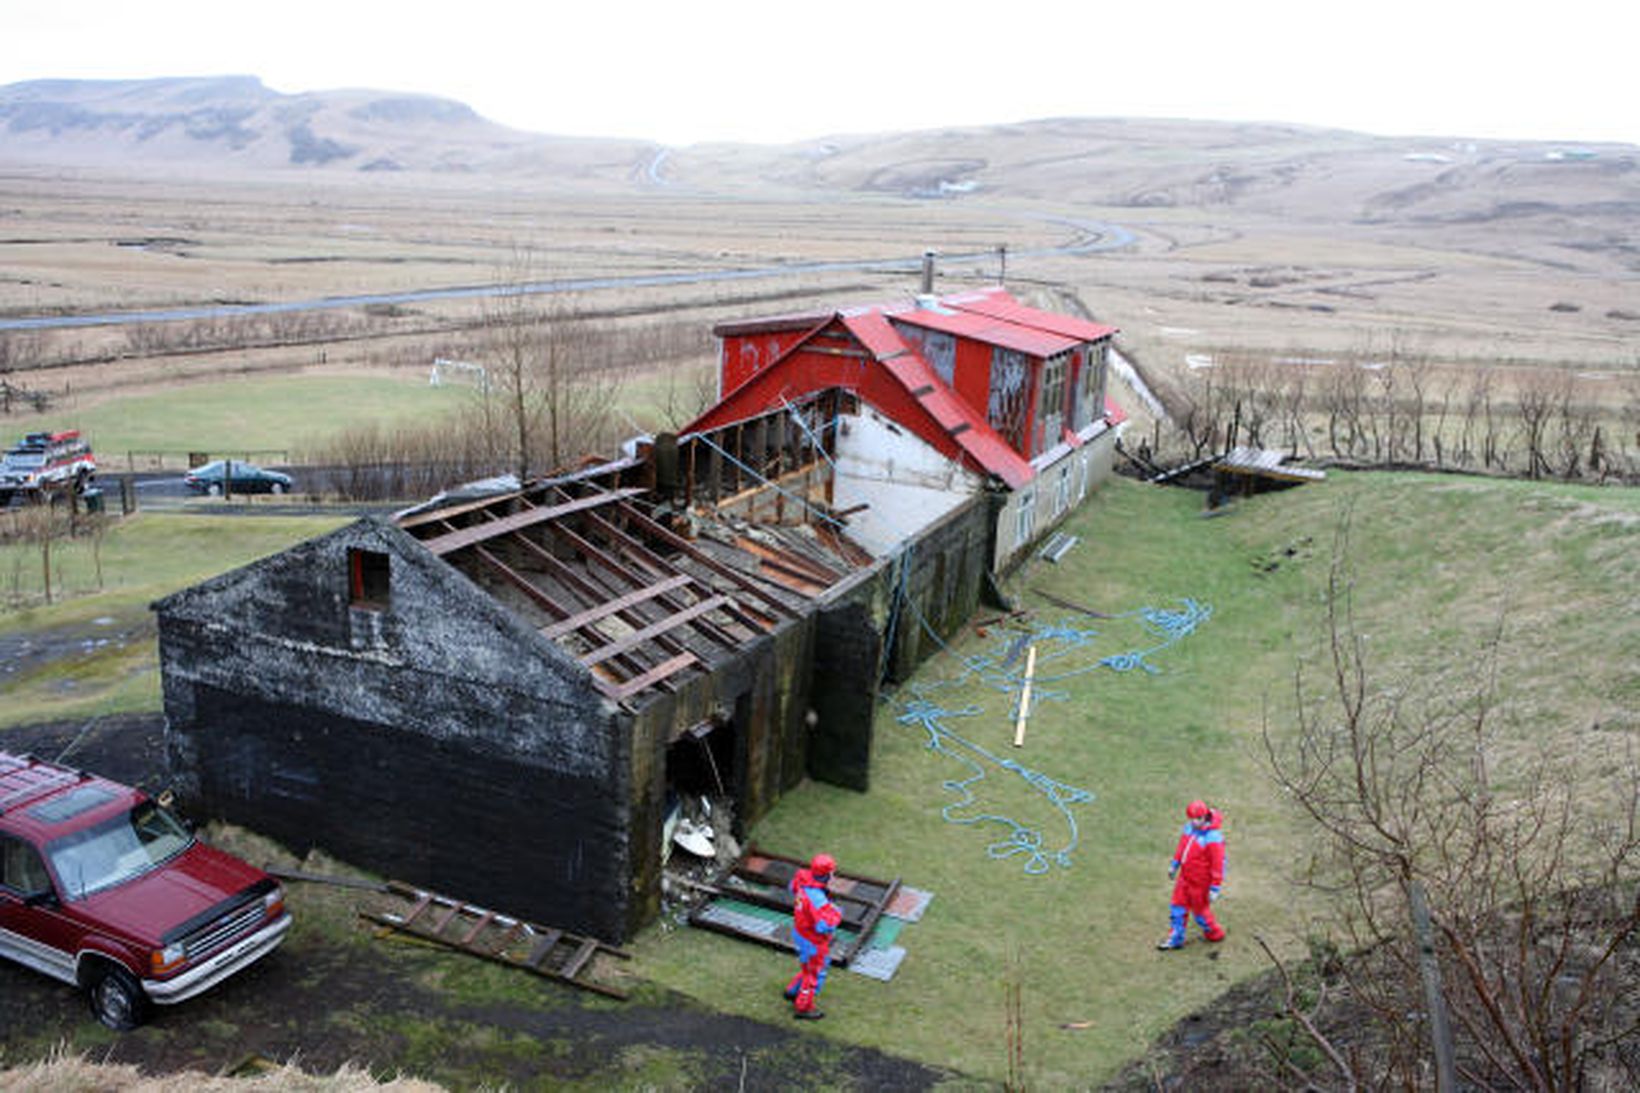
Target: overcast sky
{"x":693,"y":70}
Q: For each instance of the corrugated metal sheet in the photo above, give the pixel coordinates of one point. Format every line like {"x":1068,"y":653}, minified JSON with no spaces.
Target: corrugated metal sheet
{"x":998,"y":304}
{"x":959,"y":422}
{"x":993,"y":331}
{"x":894,"y":374}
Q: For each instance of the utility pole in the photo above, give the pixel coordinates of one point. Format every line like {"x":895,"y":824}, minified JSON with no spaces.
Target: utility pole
{"x":1002,"y":264}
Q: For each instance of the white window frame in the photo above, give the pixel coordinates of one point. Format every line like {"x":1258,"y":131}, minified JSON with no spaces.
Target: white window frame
{"x":1025,"y":517}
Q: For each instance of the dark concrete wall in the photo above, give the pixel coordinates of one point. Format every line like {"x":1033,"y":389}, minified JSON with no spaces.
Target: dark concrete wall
{"x":847,"y":651}
{"x":761,"y":695}
{"x":935,"y":584}
{"x":439,"y":719}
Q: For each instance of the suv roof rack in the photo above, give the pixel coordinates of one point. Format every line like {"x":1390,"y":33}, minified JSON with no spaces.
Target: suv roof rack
{"x":25,"y":778}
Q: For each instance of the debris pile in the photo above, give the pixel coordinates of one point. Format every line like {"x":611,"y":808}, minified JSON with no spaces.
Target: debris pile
{"x":699,"y":849}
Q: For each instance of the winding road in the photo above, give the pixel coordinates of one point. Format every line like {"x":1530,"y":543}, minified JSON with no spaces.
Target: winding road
{"x":1090,"y":237}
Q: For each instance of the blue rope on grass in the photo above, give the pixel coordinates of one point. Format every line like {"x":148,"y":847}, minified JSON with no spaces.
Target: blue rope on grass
{"x":1171,"y":626}
{"x":995,"y":671}
{"x":1020,"y":839}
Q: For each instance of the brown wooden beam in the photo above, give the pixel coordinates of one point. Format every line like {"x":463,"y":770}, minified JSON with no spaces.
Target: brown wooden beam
{"x":679,"y":543}
{"x":478,"y":533}
{"x":655,"y":675}
{"x":653,"y":630}
{"x":603,"y":610}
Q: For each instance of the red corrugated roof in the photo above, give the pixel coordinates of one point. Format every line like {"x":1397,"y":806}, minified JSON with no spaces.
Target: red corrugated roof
{"x":958,"y":420}
{"x":902,"y":377}
{"x":997,"y":304}
{"x":875,"y":333}
{"x":985,"y":328}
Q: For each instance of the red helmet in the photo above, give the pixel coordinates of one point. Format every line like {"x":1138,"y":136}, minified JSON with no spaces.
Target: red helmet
{"x":1196,"y":810}
{"x":823,"y":865}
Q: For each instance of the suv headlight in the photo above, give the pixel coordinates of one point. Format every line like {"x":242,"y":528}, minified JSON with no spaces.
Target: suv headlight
{"x":273,"y":904}
{"x":164,"y":960}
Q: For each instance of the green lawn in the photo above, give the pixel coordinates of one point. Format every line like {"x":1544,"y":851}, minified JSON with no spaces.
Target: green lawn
{"x":114,"y":668}
{"x":255,"y":413}
{"x":1438,"y":564}
{"x":1079,"y":938}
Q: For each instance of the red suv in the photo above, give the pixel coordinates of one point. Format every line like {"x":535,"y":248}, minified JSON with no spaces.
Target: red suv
{"x":103,"y":888}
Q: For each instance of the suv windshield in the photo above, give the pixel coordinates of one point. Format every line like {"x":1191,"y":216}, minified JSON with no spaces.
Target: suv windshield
{"x":117,"y":850}
{"x":25,"y":460}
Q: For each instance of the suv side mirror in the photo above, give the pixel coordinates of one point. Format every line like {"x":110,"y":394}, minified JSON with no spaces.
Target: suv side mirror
{"x":45,"y":897}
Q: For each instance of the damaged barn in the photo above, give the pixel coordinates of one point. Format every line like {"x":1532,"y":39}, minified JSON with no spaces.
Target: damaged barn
{"x":522,"y":696}
{"x":499,"y":695}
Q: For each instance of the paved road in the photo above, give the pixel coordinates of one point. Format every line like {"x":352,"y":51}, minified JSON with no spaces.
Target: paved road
{"x":1090,"y":236}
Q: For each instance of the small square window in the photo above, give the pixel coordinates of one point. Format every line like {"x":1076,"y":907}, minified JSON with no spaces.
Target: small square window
{"x":368,"y":576}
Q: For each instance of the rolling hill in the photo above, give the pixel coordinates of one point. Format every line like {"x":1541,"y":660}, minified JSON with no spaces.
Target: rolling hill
{"x":235,"y":124}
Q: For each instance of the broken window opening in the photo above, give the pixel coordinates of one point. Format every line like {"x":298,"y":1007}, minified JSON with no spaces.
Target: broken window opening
{"x":701,"y":761}
{"x":369,"y":579}
{"x":1010,"y":392}
{"x":699,"y":842}
{"x":1050,"y":414}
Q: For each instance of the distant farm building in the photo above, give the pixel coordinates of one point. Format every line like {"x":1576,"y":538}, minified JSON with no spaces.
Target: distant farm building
{"x":500,"y":695}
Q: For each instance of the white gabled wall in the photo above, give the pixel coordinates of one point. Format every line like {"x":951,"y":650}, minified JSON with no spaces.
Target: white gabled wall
{"x":1058,"y":488}
{"x":907,"y":484}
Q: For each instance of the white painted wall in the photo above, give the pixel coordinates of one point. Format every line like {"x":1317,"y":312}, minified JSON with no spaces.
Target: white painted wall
{"x":1082,"y":470}
{"x":909,"y":485}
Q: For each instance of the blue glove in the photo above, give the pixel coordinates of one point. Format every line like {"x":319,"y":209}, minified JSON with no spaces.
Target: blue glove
{"x":1172,"y":870}
{"x":1213,"y":894}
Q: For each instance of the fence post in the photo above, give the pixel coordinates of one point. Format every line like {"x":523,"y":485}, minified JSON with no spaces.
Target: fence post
{"x":1440,"y":1029}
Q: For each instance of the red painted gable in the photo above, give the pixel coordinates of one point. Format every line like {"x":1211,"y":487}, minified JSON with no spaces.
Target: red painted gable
{"x":767,"y":363}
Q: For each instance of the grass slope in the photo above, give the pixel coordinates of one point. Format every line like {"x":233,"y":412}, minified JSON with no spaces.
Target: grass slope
{"x":1437,"y":560}
{"x":108,"y":631}
{"x":1439,"y":566}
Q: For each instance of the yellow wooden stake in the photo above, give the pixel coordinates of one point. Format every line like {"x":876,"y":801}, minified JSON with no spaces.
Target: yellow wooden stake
{"x":1025,"y":698}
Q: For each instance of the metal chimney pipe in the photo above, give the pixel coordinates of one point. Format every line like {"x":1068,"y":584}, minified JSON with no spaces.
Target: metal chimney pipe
{"x":928,"y":273}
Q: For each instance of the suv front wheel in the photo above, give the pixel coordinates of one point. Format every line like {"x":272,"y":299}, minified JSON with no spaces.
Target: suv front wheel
{"x":117,"y":999}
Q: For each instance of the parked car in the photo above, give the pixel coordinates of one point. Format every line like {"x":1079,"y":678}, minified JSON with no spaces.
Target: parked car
{"x":103,"y":888}
{"x":241,"y":477}
{"x":46,"y":461}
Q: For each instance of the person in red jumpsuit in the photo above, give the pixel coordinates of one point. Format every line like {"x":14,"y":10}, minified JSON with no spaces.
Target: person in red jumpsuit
{"x":815,"y":919}
{"x":1197,"y":873}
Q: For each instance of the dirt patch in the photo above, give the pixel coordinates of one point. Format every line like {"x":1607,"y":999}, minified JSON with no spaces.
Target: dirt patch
{"x":333,"y":994}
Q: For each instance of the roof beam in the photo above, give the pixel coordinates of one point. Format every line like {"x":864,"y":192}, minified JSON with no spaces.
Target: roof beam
{"x":678,"y":542}
{"x":502,"y":525}
{"x":653,"y":630}
{"x":603,"y":610}
{"x":657,"y":674}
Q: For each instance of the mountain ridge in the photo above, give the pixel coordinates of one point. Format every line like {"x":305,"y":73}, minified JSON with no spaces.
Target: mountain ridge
{"x":235,"y":124}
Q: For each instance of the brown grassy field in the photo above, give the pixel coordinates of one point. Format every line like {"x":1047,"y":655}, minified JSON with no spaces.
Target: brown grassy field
{"x":1290,"y":245}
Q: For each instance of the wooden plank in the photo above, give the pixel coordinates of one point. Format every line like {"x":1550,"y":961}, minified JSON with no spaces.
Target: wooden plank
{"x":679,"y":543}
{"x":573,"y":967}
{"x":1025,"y":697}
{"x":660,"y":671}
{"x":478,"y":533}
{"x":477,"y":927}
{"x":437,"y":515}
{"x":422,"y":904}
{"x":870,"y":922}
{"x":633,"y":547}
{"x":604,"y":610}
{"x":638,"y":637}
{"x":508,"y":936}
{"x":450,"y":912}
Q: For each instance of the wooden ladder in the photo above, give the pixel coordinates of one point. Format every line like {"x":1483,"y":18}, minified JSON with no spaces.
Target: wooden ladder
{"x":543,"y":950}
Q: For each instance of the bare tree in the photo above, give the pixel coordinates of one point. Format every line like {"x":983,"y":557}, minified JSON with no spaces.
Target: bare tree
{"x":553,"y":388}
{"x":1534,"y":403}
{"x":1528,"y":868}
